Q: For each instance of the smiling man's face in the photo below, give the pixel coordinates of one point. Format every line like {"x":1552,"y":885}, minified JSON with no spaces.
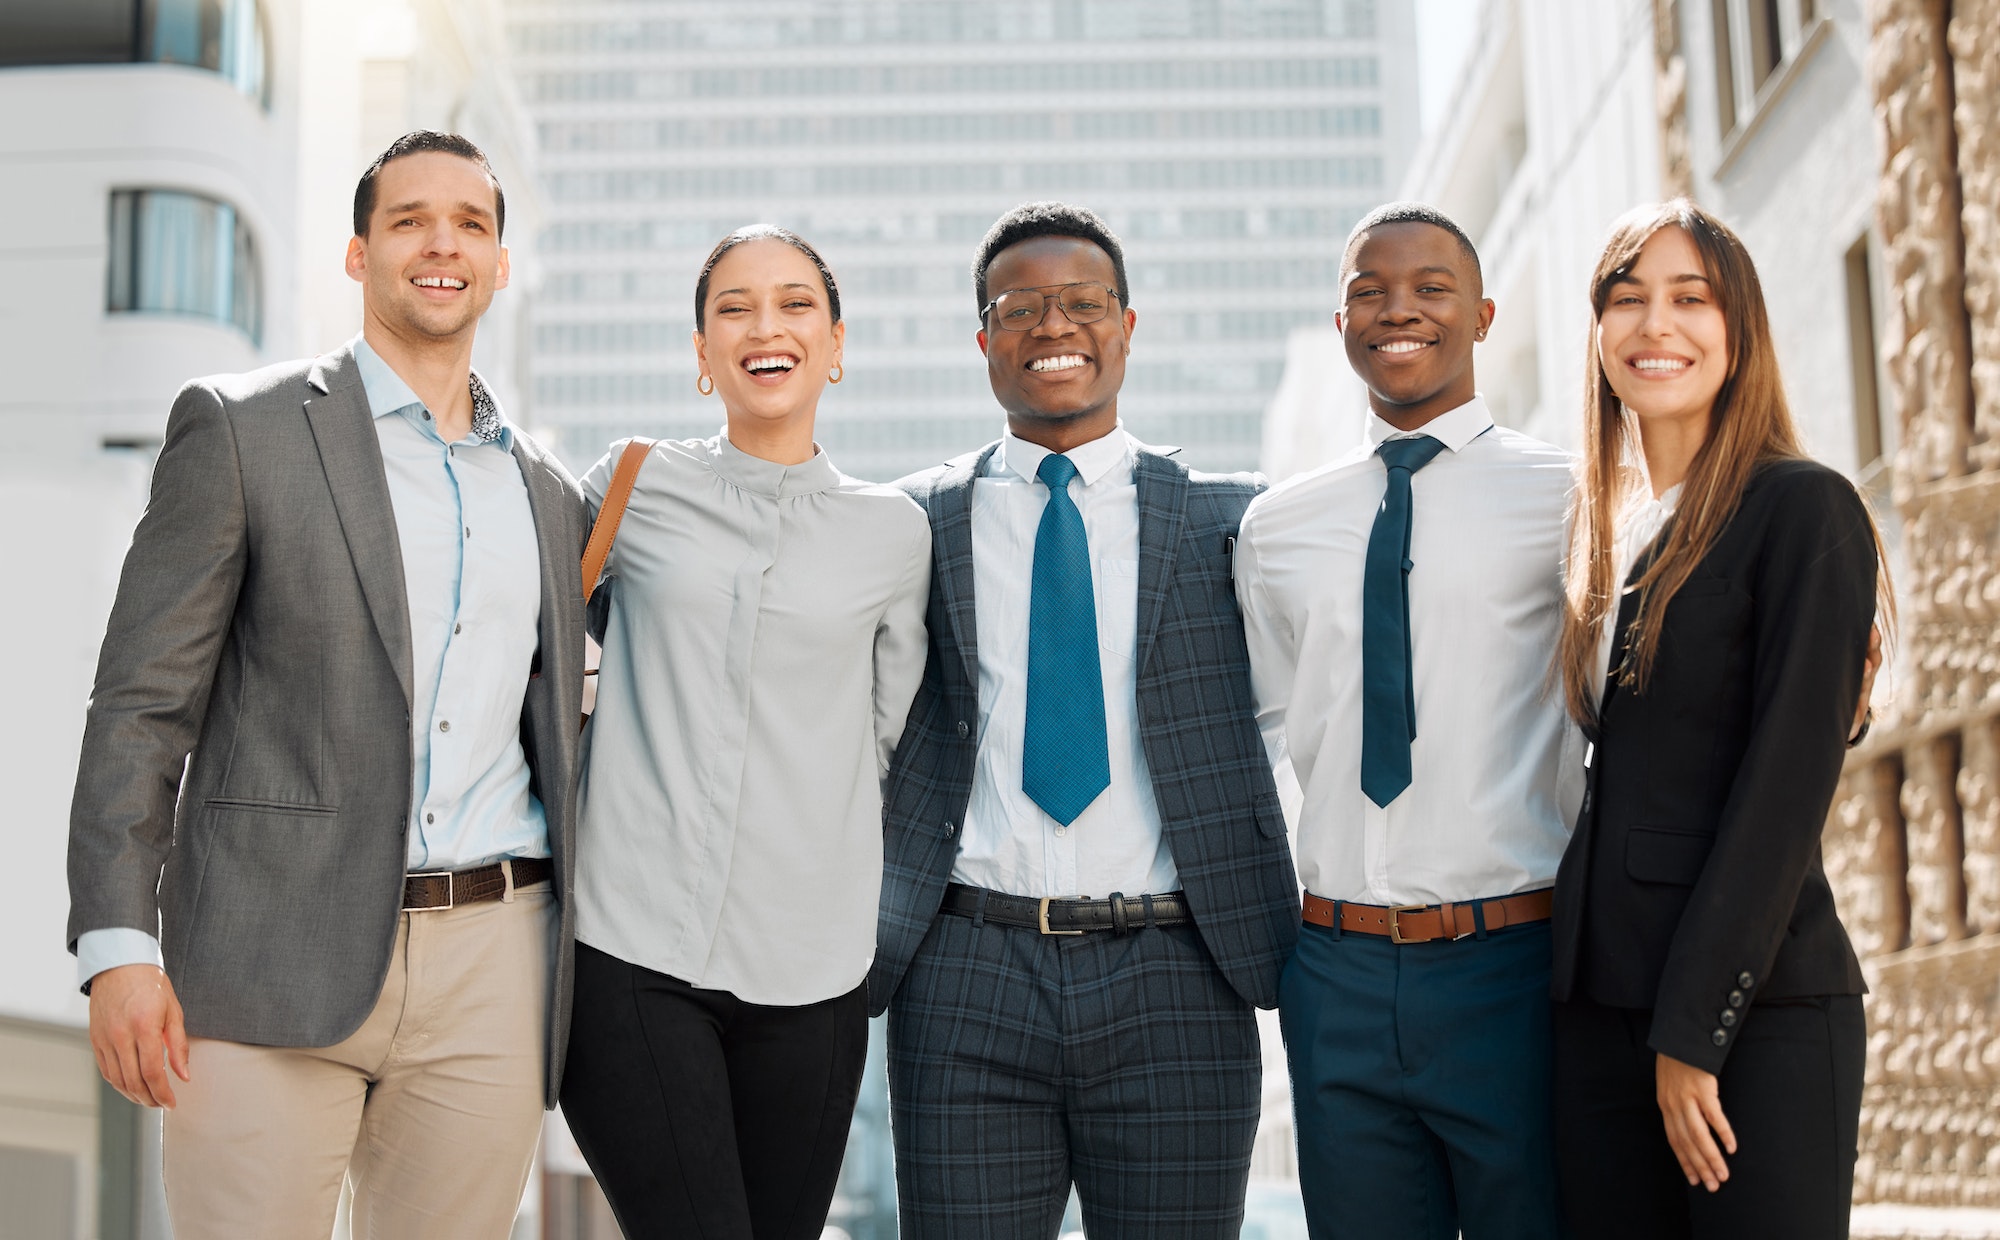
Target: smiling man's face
{"x":432,"y":259}
{"x":1410,"y":310}
{"x":1058,"y":380}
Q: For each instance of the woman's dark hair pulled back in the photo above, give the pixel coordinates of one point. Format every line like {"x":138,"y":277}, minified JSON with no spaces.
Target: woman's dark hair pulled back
{"x":761,"y":232}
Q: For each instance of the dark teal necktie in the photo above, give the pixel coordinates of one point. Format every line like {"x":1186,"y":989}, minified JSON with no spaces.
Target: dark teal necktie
{"x":1065,"y":759}
{"x":1388,"y":690}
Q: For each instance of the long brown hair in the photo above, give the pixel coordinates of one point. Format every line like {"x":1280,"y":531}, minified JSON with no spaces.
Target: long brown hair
{"x":1750,"y":425}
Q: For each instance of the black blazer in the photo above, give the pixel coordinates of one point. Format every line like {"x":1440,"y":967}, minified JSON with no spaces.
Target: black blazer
{"x":1693,"y":885}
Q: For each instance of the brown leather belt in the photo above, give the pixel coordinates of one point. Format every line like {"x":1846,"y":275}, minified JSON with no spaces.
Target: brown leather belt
{"x":1425,"y":923}
{"x":442,"y":889}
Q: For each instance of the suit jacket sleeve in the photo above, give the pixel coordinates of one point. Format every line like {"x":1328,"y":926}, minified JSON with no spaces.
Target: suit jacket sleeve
{"x":176,"y":596}
{"x":1813,"y":587}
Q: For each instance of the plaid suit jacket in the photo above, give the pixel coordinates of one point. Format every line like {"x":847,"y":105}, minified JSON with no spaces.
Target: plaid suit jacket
{"x":1211,"y":775}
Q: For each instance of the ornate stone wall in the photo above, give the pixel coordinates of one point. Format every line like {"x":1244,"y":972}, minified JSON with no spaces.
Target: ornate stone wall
{"x":1913,"y":842}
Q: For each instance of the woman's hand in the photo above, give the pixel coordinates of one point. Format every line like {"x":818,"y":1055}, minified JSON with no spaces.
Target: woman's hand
{"x":1691,"y":1107}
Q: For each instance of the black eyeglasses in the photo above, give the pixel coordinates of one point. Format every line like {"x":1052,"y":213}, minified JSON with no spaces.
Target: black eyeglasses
{"x":1020,"y":309}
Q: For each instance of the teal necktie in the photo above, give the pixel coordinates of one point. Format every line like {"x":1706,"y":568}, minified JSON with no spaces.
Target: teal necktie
{"x":1065,"y":759}
{"x":1388,"y":689}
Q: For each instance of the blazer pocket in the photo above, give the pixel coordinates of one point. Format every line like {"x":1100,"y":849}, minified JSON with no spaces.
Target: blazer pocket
{"x":253,"y":806}
{"x":1665,"y":855}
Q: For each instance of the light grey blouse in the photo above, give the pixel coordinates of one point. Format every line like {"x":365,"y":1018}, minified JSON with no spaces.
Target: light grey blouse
{"x":763,"y":639}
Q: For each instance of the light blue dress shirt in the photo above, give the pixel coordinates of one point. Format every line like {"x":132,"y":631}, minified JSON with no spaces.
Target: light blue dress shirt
{"x":472,"y":576}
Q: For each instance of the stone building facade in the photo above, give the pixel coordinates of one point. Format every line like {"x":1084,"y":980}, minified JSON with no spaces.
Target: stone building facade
{"x":1913,"y":842}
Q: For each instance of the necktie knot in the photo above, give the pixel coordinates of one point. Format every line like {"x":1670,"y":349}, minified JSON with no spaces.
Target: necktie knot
{"x":1056,"y":470}
{"x":1410,"y":454}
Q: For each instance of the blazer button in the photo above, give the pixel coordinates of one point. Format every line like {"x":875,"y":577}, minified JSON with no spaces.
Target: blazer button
{"x":1735,"y":998}
{"x":1728,"y":1018}
{"x":1745,"y":980}
{"x":1719,"y":1037}
{"x":963,"y":730}
{"x":950,"y":828}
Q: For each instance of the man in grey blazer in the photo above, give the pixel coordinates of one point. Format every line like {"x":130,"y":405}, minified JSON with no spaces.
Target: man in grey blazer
{"x":320,"y":840}
{"x":1087,"y":887}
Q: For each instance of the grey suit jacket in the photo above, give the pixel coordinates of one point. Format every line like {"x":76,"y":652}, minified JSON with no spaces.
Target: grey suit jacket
{"x":244,"y":785}
{"x":1197,"y":720}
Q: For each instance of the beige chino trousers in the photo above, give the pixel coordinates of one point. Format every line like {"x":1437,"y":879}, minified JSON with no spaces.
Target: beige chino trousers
{"x":432,"y":1108}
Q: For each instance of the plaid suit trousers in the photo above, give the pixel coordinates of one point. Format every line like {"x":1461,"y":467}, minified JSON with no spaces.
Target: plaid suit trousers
{"x":1020,"y":1063}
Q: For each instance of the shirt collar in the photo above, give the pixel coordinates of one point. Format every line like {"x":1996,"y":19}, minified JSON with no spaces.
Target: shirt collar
{"x":1093,"y":460}
{"x":1454,"y":428}
{"x":387,"y":394}
{"x":759,"y":476}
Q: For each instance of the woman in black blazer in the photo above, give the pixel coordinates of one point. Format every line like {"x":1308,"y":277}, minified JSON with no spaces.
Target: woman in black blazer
{"x":1708,"y":1024}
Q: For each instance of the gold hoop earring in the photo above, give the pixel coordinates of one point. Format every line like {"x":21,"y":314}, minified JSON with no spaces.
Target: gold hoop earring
{"x":836,"y":374}
{"x":705,"y":385}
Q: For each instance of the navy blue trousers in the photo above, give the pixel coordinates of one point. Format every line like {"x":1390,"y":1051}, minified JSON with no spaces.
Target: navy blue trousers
{"x":1020,"y":1064}
{"x":1421,"y":1085}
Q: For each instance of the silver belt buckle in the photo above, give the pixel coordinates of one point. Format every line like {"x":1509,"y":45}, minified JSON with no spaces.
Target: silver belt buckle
{"x":450,"y":891}
{"x":1045,"y":919}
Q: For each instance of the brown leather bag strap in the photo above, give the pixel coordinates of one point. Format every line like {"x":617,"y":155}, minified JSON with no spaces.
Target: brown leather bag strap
{"x":612,"y":511}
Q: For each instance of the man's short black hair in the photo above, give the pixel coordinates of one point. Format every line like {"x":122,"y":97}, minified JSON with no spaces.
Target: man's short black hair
{"x":1048,"y":219}
{"x":418,"y":140}
{"x":1407,"y":213}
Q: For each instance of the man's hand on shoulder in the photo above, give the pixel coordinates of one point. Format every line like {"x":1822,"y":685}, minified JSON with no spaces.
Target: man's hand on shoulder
{"x":136,"y":1032}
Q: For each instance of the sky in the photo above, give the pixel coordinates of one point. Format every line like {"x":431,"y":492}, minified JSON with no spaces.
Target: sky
{"x":1444,"y":38}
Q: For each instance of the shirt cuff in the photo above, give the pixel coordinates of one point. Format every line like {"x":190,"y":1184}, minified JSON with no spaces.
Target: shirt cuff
{"x":98,"y":950}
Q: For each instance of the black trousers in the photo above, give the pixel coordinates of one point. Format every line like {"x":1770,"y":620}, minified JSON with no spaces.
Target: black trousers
{"x":1791,"y":1090}
{"x":705,"y":1116}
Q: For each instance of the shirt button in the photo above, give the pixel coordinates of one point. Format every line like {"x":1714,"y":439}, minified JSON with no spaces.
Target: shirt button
{"x":1745,"y":980}
{"x":1735,"y":998}
{"x":963,"y":730}
{"x":457,"y":628}
{"x":1062,"y":830}
{"x":468,"y":531}
{"x":1719,"y":1037}
{"x":444,"y":725}
{"x":427,"y":415}
{"x":1728,"y":1018}
{"x":430,"y":817}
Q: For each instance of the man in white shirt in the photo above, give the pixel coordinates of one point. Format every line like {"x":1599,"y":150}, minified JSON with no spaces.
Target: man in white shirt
{"x":1402,"y":605}
{"x":1086,"y":886}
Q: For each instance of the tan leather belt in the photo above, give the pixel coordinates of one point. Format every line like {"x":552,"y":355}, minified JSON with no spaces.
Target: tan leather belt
{"x":443,"y":889}
{"x":1425,"y":923}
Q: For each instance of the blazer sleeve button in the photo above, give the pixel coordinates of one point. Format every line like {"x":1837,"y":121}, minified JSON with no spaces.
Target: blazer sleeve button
{"x":1736,"y":998}
{"x":1745,"y":980}
{"x":1719,"y":1037}
{"x":1727,"y":1017}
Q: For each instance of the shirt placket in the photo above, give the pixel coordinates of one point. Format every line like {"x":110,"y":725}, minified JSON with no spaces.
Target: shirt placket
{"x":450,"y":730}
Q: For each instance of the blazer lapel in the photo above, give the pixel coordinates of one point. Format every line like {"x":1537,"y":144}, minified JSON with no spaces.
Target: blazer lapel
{"x":1162,"y":486}
{"x":351,"y":455}
{"x":1628,"y":611}
{"x":951,"y":535}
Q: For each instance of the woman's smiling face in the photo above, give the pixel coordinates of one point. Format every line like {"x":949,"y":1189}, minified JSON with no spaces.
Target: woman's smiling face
{"x":768,"y":338}
{"x":1662,"y":338}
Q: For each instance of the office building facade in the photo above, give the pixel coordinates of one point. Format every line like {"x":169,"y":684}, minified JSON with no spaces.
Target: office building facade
{"x":1231,"y":143}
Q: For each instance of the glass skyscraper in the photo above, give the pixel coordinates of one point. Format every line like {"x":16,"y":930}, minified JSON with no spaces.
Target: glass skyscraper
{"x":1231,"y":143}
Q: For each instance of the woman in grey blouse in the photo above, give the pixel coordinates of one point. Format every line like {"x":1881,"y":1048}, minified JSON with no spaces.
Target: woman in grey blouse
{"x":763,"y":633}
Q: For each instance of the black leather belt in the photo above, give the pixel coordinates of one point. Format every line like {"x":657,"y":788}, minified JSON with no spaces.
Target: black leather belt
{"x":442,"y":889}
{"x":1119,"y":913}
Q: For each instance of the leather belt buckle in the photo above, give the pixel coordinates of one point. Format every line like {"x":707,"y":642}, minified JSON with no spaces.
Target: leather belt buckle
{"x":450,"y":894}
{"x":1396,"y":924}
{"x":1045,"y":919}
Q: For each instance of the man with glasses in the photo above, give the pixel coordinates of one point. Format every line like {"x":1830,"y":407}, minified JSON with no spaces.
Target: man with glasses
{"x":1087,"y":884}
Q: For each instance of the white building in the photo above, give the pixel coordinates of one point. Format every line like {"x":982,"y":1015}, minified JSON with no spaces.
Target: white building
{"x":174,"y":207}
{"x":1230,"y":142}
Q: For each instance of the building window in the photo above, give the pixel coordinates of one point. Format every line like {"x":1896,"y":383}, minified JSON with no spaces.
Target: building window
{"x":1754,"y":40}
{"x":226,"y":36}
{"x":1874,"y":421}
{"x":175,"y":253}
{"x":223,"y":36}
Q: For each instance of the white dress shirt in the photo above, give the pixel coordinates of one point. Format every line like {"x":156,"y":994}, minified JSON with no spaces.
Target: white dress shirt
{"x":1496,"y":763}
{"x":763,"y":642}
{"x":1009,"y":844}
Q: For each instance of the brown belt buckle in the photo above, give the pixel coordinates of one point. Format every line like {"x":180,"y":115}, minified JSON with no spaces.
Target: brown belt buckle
{"x":450,"y":892}
{"x":1045,"y":919}
{"x":1395,"y":921}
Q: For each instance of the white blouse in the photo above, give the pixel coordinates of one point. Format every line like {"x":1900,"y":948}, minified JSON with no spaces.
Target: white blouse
{"x":1639,"y":523}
